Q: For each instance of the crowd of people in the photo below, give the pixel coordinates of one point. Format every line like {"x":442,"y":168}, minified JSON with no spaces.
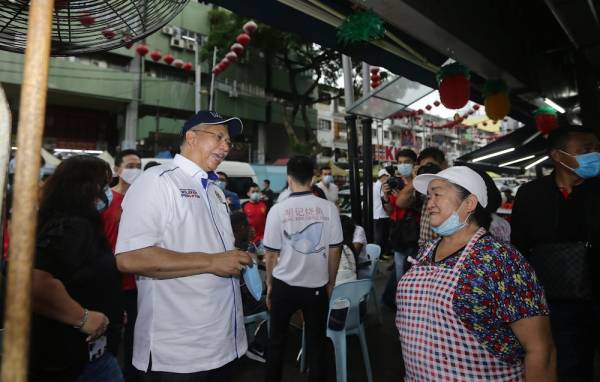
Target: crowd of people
{"x":157,"y":266}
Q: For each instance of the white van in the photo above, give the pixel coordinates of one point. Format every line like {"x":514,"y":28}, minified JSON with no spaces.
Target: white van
{"x":240,"y":175}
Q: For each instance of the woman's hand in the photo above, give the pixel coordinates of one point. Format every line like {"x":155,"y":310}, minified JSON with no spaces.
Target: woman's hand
{"x":95,"y":326}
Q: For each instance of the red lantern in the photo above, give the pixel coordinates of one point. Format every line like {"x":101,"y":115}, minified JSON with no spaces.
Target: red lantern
{"x":168,"y":58}
{"x":178,"y":63}
{"x":225,"y":62}
{"x":420,"y":111}
{"x":454,"y":85}
{"x":108,"y":33}
{"x":216,"y":70}
{"x":436,"y":103}
{"x":546,"y":119}
{"x":142,"y":50}
{"x":87,"y":20}
{"x":375,"y":80}
{"x":187,"y":66}
{"x":155,"y":55}
{"x":231,"y":56}
{"x":237,"y":48}
{"x":475,"y":107}
{"x":243,"y":38}
{"x":127,"y":40}
{"x":374,"y":69}
{"x":250,"y":27}
{"x":428,"y":107}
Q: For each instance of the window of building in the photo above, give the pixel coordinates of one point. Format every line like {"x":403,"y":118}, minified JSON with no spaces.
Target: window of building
{"x":324,"y":125}
{"x":386,"y":134}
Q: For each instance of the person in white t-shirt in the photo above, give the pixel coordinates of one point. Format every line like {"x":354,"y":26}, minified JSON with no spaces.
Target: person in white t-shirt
{"x":176,"y":236}
{"x":326,"y":184}
{"x":302,"y":241}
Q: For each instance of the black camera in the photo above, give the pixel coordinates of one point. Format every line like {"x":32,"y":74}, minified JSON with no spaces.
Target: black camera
{"x":395,"y":183}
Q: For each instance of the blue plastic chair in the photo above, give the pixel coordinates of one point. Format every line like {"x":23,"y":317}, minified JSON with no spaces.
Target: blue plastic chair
{"x":374,"y":252}
{"x":354,"y":292}
{"x":253,"y":320}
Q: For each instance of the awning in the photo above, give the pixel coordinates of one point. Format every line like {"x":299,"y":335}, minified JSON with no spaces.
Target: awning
{"x":510,"y":154}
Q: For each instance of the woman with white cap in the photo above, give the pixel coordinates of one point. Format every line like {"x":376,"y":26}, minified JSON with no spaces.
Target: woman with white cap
{"x":470,"y":308}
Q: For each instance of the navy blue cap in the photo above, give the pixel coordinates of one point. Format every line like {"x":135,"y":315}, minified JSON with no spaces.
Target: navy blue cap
{"x":208,"y":117}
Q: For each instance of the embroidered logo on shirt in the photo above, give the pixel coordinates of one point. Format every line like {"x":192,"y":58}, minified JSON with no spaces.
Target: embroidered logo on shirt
{"x":188,"y":193}
{"x":307,"y":240}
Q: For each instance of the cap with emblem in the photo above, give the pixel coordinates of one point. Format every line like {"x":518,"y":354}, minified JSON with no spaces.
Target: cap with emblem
{"x":208,"y":117}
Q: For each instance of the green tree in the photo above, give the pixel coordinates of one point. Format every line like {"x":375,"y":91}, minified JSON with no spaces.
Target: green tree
{"x":298,"y":57}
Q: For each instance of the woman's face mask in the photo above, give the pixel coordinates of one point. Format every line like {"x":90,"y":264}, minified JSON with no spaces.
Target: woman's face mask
{"x":451,"y":225}
{"x":104,"y":203}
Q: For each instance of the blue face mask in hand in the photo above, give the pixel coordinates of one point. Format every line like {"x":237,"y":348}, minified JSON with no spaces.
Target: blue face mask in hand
{"x":451,"y":225}
{"x":405,"y":169}
{"x":101,"y":204}
{"x":253,"y":280}
{"x":589,"y":164}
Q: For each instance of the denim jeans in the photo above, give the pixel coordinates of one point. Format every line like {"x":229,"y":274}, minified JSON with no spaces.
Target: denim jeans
{"x":400,"y":261}
{"x":104,"y":369}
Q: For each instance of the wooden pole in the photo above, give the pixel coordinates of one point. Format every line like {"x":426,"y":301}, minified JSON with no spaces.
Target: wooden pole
{"x":25,"y":201}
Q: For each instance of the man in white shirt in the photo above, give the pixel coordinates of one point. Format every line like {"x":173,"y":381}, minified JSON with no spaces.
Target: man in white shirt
{"x":326,"y":184}
{"x":303,"y":237}
{"x":175,"y":234}
{"x":381,"y":208}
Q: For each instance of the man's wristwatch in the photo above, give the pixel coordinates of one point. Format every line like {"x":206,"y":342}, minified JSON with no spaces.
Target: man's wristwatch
{"x":83,"y":320}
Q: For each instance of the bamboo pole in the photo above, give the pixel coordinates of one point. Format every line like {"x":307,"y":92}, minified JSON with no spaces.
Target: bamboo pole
{"x":23,"y":224}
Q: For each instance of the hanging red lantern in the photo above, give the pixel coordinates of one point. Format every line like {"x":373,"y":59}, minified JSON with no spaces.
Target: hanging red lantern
{"x":108,"y":33}
{"x":178,"y":63}
{"x":127,"y":40}
{"x":495,"y":93}
{"x":155,"y":55}
{"x":375,"y":80}
{"x":546,"y":119}
{"x":428,"y":107}
{"x":216,"y":71}
{"x":436,"y":103}
{"x":420,"y":111}
{"x":374,"y":69}
{"x":168,"y":59}
{"x":454,"y":85}
{"x":237,"y":48}
{"x":231,"y":56}
{"x":87,"y":20}
{"x":188,"y":66}
{"x":475,"y":107}
{"x":142,"y":50}
{"x":250,"y":27}
{"x":243,"y":38}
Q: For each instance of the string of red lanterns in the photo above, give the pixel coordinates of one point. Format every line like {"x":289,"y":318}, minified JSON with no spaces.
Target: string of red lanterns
{"x":458,"y":119}
{"x":236,"y":50}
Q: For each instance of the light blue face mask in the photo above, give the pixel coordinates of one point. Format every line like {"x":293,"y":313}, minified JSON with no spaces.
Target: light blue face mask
{"x":328,"y":179}
{"x":255,"y":196}
{"x":451,"y":225}
{"x":405,"y":169}
{"x":253,"y":281}
{"x":101,"y":205}
{"x":220,"y":184}
{"x":589,"y":164}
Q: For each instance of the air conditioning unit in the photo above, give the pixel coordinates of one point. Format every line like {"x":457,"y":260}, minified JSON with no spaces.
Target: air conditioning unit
{"x":177,"y":42}
{"x":168,"y":30}
{"x":190,"y":45}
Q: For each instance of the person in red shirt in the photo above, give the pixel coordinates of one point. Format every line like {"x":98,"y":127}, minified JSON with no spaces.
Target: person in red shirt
{"x":128,"y":166}
{"x":256,"y":211}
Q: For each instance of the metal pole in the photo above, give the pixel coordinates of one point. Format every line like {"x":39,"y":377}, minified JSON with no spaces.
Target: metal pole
{"x":24,"y":219}
{"x":348,"y":87}
{"x":354,"y":168}
{"x":212,"y":81}
{"x":366,"y":85}
{"x":367,"y":178}
{"x":198,"y":76}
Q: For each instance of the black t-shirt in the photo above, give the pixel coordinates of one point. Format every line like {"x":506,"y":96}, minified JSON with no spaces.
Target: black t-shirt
{"x":75,"y":252}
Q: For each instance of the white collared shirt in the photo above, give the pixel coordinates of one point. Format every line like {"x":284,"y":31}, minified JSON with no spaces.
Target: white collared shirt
{"x":378,"y":211}
{"x":331,"y":192}
{"x":187,"y":324}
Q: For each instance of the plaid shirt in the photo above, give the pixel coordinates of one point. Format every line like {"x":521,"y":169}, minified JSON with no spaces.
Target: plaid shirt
{"x":425,"y":233}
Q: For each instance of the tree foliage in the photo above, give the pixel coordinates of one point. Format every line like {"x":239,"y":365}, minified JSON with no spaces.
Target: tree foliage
{"x":298,"y":57}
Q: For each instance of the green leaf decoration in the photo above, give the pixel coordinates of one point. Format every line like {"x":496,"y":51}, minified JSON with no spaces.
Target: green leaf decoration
{"x":453,"y":69}
{"x":361,"y":27}
{"x":545,"y":110}
{"x":492,"y":87}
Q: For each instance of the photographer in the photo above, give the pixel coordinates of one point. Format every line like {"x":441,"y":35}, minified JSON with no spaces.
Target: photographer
{"x":381,"y":210}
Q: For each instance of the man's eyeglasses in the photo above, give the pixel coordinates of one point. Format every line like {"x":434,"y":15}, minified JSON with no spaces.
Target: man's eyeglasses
{"x":220,"y":138}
